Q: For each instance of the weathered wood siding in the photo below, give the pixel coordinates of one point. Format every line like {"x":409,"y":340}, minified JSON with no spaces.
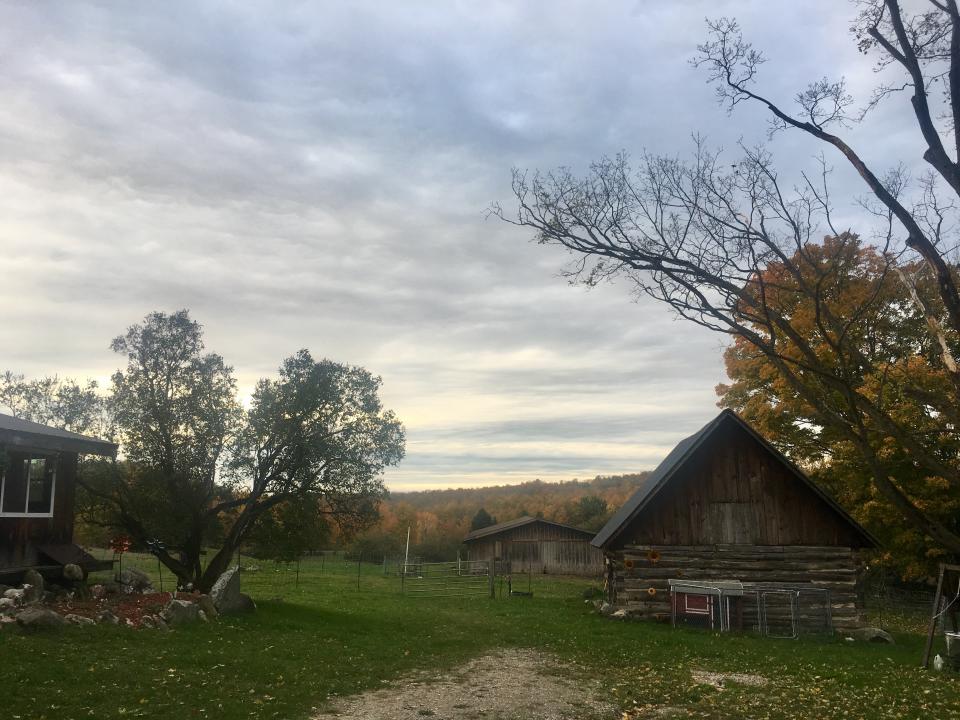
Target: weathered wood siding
{"x":541,"y":548}
{"x":734,"y":511}
{"x":640,"y":573}
{"x":20,"y":536}
{"x":733,"y":491}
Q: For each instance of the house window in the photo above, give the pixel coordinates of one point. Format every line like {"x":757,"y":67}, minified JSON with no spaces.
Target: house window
{"x":27,"y":487}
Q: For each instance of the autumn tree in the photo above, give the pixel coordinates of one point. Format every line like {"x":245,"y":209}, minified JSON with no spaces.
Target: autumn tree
{"x":900,"y":355}
{"x":701,"y":234}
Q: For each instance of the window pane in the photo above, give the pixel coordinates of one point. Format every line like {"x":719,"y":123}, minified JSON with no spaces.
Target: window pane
{"x":41,"y":486}
{"x":14,"y":485}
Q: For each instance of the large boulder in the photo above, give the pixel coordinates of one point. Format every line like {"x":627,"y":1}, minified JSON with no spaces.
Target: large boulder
{"x":226,"y":589}
{"x":32,"y":586}
{"x":180,"y":612}
{"x":133,"y":580}
{"x":39,"y":618}
{"x":226,"y":594}
{"x":106,"y":617}
{"x":207,"y":606}
{"x":871,"y":634}
{"x":73,"y":573}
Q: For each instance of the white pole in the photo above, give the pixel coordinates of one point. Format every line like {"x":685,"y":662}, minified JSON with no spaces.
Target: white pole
{"x":406,"y":554}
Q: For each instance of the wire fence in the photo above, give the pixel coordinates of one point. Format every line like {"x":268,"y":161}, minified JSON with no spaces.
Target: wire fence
{"x":450,"y":579}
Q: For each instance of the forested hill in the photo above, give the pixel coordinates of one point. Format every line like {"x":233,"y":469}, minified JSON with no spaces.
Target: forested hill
{"x":439,"y":519}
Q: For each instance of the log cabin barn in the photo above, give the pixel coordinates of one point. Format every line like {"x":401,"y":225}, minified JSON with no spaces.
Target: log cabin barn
{"x":536,"y":545}
{"x":38,"y":471}
{"x":726,"y":507}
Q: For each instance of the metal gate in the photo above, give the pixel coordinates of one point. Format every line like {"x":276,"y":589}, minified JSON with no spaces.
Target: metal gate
{"x":460,"y":578}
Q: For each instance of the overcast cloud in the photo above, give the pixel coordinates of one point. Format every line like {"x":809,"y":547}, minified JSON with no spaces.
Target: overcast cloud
{"x":316,"y":174}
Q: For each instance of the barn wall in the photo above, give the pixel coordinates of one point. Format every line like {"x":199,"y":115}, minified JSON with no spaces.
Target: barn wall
{"x":19,"y":537}
{"x":541,"y":548}
{"x":640,"y":573}
{"x":734,"y":491}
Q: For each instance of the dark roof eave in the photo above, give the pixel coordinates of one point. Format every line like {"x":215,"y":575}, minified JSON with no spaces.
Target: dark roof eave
{"x":517,"y":523}
{"x":37,"y":441}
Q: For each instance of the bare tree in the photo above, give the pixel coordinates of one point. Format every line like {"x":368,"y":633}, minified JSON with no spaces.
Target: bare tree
{"x":731,"y":248}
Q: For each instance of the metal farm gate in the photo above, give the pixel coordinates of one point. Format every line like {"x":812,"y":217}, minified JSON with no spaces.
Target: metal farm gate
{"x":460,"y":578}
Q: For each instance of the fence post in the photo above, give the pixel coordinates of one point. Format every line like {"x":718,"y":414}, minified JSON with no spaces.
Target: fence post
{"x":491,"y":571}
{"x":934,"y":613}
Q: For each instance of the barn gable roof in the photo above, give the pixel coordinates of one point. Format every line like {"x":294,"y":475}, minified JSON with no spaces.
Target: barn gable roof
{"x":519,"y":522}
{"x":678,"y":457}
{"x":17,"y":432}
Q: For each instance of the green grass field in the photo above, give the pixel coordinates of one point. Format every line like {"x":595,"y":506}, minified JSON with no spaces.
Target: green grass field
{"x":325,"y":638}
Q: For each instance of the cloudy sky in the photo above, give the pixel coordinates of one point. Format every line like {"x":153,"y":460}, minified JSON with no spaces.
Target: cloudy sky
{"x":316,"y":174}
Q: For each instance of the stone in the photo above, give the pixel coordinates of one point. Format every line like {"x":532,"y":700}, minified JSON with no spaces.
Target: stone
{"x":39,"y":618}
{"x":105,"y":617}
{"x":72,"y":572}
{"x":7,"y":604}
{"x":202,"y":616}
{"x":15,"y":594}
{"x":871,"y":634}
{"x":161,"y":624}
{"x":620,"y":614}
{"x":207,"y":606}
{"x":147,"y":621}
{"x":34,"y":580}
{"x":606,"y":608}
{"x":98,"y":592}
{"x":226,"y":590}
{"x":74,"y":619}
{"x":244,"y":604}
{"x":226,"y":594}
{"x":133,"y":580}
{"x":180,"y":612}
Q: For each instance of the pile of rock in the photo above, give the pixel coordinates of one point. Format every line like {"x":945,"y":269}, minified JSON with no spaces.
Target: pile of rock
{"x":25,"y":605}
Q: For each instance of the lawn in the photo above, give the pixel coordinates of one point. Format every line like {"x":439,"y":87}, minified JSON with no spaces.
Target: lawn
{"x":323,"y":637}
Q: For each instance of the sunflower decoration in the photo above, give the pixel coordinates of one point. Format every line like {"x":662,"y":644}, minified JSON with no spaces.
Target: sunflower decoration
{"x":653,"y":556}
{"x":628,"y":564}
{"x":652,"y":591}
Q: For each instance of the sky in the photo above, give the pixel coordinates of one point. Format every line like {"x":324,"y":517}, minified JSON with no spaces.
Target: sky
{"x":318,"y":175}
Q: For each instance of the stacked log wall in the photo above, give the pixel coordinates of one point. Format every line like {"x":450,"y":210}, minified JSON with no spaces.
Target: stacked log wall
{"x":640,"y":573}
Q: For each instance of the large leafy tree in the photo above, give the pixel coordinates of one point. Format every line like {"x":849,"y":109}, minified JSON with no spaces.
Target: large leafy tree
{"x":200,"y":471}
{"x":700,"y":235}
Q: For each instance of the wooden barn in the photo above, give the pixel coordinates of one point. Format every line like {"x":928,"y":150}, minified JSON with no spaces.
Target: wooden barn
{"x":537,"y":545}
{"x":38,"y":470}
{"x":725,"y":506}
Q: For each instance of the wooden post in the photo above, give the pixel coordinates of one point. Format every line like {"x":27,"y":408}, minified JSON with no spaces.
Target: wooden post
{"x":359,"y":558}
{"x":932,"y":627}
{"x":491,"y":571}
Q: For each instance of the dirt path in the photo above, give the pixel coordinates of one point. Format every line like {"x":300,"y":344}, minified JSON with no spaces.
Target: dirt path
{"x":506,"y":685}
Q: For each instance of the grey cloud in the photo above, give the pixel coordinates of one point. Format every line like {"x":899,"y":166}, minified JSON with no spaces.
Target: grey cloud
{"x":316,"y":175}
